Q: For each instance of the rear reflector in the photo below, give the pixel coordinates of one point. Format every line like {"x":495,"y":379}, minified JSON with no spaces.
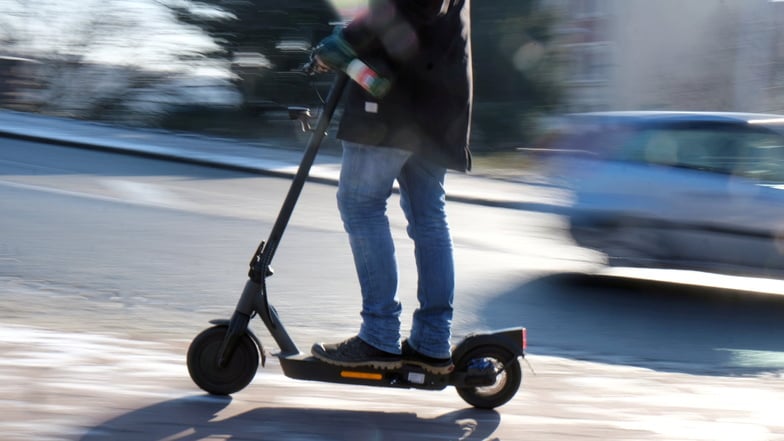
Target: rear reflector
{"x":525,"y":339}
{"x":361,"y":375}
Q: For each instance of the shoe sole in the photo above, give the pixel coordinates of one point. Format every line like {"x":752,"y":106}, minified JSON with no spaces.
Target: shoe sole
{"x":437,"y":370}
{"x":374,"y":364}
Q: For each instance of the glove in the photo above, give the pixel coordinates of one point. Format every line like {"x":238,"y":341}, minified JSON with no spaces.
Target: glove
{"x":334,"y":52}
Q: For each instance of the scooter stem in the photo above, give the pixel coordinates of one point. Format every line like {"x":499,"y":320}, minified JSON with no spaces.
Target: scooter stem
{"x":254,"y":297}
{"x":318,"y":134}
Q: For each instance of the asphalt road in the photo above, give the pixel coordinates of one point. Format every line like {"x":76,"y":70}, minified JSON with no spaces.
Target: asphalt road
{"x":110,"y":264}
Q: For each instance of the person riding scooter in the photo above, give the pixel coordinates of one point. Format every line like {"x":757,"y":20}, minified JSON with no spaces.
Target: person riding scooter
{"x":411,"y":130}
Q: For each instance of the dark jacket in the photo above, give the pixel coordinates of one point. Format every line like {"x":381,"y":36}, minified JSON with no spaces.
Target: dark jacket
{"x":423,"y":47}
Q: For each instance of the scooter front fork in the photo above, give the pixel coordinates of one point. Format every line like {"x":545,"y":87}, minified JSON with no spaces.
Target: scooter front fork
{"x":254,"y":301}
{"x":238,"y":325}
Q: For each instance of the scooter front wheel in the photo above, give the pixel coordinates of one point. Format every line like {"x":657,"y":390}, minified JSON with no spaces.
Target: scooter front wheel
{"x":203,"y":367}
{"x":492,"y":361}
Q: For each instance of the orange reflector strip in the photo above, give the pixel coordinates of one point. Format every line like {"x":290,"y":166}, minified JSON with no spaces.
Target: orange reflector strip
{"x":361,"y":375}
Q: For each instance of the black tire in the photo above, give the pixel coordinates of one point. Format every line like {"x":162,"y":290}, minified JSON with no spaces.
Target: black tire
{"x":203,"y":362}
{"x":507,"y":382}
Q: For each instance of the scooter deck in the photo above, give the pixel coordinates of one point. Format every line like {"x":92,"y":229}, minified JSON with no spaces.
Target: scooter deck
{"x":307,"y":367}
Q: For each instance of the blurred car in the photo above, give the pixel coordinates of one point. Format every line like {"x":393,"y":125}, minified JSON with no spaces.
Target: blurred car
{"x":676,"y":190}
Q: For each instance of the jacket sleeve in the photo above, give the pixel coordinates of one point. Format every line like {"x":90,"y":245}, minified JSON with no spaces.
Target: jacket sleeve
{"x":366,"y":32}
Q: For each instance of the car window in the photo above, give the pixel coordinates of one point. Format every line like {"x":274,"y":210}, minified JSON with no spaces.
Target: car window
{"x":753,"y":154}
{"x":764,"y":159}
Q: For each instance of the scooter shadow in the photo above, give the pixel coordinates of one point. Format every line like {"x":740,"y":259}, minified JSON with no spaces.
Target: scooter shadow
{"x":658,"y":325}
{"x":207,"y":417}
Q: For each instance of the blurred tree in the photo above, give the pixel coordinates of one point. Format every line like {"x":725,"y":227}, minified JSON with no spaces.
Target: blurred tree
{"x":268,"y":42}
{"x":130,"y":61}
{"x":515,"y":71}
{"x":110,"y":59}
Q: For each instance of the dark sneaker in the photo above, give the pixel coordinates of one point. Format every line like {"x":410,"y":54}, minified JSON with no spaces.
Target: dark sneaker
{"x":355,"y":353}
{"x":440,"y":366}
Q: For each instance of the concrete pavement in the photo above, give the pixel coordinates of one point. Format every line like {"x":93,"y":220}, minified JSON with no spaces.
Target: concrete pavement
{"x":263,"y":157}
{"x":81,"y":387}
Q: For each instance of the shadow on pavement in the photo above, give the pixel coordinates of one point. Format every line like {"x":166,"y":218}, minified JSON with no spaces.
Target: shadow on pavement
{"x":206,"y":417}
{"x":657,"y":325}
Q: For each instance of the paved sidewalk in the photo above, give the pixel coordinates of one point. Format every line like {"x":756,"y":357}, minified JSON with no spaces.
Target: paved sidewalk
{"x":256,"y":157}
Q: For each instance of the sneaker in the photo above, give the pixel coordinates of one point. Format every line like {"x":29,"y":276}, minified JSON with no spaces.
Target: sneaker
{"x":439,"y":366}
{"x":355,"y":353}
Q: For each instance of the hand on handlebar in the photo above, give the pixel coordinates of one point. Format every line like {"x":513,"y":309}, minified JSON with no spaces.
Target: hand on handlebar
{"x":318,"y":66}
{"x":334,"y":53}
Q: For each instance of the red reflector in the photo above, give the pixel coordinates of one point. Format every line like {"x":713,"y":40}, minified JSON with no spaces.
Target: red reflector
{"x":525,"y":339}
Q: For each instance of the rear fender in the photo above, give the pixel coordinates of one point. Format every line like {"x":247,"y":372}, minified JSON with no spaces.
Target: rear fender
{"x":512,"y":339}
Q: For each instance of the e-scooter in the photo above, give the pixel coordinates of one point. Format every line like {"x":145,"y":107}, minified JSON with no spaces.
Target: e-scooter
{"x":224,"y":358}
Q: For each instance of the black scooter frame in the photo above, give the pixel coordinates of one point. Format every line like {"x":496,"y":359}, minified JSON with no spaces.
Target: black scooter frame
{"x":254,"y":297}
{"x":504,"y":346}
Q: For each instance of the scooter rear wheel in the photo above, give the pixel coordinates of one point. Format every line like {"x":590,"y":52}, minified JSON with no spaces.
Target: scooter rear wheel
{"x":203,"y":365}
{"x":508,"y":376}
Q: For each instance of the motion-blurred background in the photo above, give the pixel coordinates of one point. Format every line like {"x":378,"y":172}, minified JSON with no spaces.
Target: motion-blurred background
{"x":228,"y":67}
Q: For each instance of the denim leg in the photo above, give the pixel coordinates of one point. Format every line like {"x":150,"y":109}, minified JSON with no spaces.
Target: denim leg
{"x":423,"y":200}
{"x":366,"y":179}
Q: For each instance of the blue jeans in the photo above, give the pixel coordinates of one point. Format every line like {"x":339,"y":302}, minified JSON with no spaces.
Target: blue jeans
{"x":366,"y":179}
